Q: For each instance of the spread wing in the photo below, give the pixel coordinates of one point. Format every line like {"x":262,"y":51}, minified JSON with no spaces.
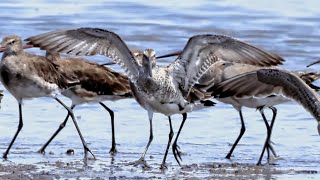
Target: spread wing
{"x":244,"y":85}
{"x":293,"y":87}
{"x":233,"y":50}
{"x":202,"y":51}
{"x":271,"y":81}
{"x":88,"y":41}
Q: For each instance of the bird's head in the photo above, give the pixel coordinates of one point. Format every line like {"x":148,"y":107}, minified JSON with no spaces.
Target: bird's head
{"x":151,"y":55}
{"x":11,"y":43}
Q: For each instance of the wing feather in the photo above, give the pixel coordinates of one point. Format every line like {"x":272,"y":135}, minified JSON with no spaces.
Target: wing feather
{"x":294,"y":87}
{"x":89,"y":41}
{"x":202,"y":51}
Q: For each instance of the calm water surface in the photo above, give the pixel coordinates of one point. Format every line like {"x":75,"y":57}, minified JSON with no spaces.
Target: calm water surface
{"x":288,"y":28}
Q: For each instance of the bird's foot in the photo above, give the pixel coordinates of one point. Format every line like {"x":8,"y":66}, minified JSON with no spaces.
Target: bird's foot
{"x":5,"y":156}
{"x":163,"y":167}
{"x":41,"y":151}
{"x":141,"y":162}
{"x":176,"y":152}
{"x":113,"y":151}
{"x":228,"y":156}
{"x":86,"y":150}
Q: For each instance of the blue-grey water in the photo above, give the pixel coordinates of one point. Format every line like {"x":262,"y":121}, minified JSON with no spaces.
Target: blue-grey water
{"x":289,"y":28}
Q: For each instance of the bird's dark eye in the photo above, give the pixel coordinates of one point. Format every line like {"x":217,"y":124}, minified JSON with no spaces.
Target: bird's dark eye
{"x":13,"y":41}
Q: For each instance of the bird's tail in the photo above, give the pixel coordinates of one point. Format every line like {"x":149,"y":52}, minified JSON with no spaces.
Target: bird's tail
{"x":198,"y":105}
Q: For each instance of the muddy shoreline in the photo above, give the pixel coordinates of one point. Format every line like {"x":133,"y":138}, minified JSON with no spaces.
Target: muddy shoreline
{"x":97,"y":169}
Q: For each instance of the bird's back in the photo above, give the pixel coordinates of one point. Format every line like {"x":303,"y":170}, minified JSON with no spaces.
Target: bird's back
{"x":94,"y":79}
{"x":27,"y":75}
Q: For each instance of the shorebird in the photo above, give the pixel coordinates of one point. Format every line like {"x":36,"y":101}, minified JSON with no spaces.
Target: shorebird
{"x":28,"y":76}
{"x":215,"y":80}
{"x":259,"y":101}
{"x":264,"y":82}
{"x":230,"y":65}
{"x":224,"y":70}
{"x":97,"y":83}
{"x":159,"y":89}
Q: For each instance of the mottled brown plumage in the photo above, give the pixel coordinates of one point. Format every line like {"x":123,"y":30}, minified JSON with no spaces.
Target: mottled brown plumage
{"x":94,"y":79}
{"x":27,"y":75}
{"x":97,"y":83}
{"x":159,"y":89}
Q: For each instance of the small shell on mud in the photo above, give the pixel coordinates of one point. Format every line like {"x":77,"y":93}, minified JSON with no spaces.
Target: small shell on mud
{"x":70,"y":152}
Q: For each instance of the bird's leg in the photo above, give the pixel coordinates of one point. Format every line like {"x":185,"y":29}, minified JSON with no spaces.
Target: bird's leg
{"x":113,"y":149}
{"x":243,"y":129}
{"x":274,"y":111}
{"x":5,"y":155}
{"x":175,"y":147}
{"x":141,"y":159}
{"x":266,"y":144}
{"x":163,"y":164}
{"x":85,"y":146}
{"x":62,"y":125}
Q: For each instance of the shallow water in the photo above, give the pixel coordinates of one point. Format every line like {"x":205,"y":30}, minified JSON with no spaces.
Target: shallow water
{"x":288,"y":28}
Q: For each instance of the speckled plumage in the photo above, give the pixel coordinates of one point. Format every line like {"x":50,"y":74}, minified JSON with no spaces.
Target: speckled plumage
{"x":30,"y":76}
{"x":157,"y":89}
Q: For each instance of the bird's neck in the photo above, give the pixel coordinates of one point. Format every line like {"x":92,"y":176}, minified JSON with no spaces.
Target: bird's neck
{"x":11,"y":53}
{"x":148,"y":69}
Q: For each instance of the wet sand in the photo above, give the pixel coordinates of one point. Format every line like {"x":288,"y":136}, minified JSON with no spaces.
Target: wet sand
{"x":194,"y":171}
{"x":118,"y":168}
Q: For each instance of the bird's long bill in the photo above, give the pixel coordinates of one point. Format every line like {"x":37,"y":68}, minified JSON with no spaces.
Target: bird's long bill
{"x":108,"y":63}
{"x":2,"y":48}
{"x":27,"y":46}
{"x":170,"y":55}
{"x":316,"y":62}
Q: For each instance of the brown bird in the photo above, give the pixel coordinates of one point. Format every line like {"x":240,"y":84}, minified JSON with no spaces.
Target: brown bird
{"x":269,"y":87}
{"x":97,"y":83}
{"x":28,"y":76}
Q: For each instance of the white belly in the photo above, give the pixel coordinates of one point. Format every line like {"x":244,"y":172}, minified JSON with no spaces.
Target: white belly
{"x":78,"y":99}
{"x":254,"y":102}
{"x":28,"y":89}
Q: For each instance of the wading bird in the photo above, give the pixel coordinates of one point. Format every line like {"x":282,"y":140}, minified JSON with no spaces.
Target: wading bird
{"x":97,"y":83}
{"x":235,"y":58}
{"x":27,"y":76}
{"x":160,"y":89}
{"x":276,"y":82}
{"x":259,"y":97}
